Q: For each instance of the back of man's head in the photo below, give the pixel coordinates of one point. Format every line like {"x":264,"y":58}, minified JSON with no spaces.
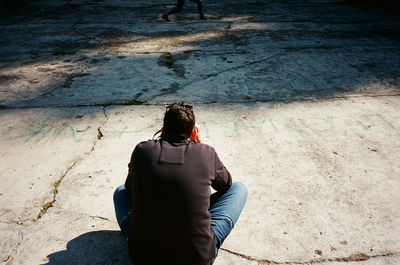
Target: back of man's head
{"x":179,"y":119}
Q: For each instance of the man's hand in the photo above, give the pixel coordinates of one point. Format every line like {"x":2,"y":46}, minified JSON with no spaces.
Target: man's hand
{"x":198,"y":137}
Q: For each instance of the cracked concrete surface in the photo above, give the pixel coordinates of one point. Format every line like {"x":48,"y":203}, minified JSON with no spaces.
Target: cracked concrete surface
{"x":299,"y":98}
{"x":354,"y":257}
{"x":263,"y":51}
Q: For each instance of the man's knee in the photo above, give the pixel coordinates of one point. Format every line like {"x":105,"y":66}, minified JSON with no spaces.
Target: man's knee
{"x":240,"y":188}
{"x":119,"y":191}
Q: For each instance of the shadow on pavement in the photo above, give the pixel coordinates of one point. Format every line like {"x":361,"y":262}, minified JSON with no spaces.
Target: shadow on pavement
{"x":98,"y":247}
{"x":116,"y":53}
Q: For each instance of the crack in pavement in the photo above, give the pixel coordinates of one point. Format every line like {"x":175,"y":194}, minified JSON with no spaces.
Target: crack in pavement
{"x":239,"y":66}
{"x":206,"y":76}
{"x":56,"y":184}
{"x":50,"y":203}
{"x":356,"y":257}
{"x":246,"y":101}
{"x":14,"y":249}
{"x":98,"y":217}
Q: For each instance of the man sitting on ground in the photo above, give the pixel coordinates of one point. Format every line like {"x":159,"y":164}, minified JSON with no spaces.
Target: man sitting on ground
{"x":166,"y":208}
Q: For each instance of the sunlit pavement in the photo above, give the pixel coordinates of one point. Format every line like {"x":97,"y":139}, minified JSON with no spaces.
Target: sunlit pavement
{"x":300,"y":100}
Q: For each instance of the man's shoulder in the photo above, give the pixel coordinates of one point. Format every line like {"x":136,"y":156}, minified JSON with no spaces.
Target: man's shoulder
{"x":146,"y":148}
{"x":204,"y":147}
{"x":146,"y":144}
{"x":150,"y":144}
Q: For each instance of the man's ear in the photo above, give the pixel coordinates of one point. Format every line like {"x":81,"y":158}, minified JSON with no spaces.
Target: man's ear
{"x":162,"y":130}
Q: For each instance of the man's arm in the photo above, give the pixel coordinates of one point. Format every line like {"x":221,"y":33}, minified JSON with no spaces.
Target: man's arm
{"x":223,"y":179}
{"x":129,"y":178}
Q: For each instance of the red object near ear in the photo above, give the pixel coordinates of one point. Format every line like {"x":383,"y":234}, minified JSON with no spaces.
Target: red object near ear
{"x":194,"y":134}
{"x":162,"y":130}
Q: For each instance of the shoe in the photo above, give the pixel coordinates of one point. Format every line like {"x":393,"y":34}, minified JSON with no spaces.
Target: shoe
{"x":165,"y":17}
{"x":203,"y":17}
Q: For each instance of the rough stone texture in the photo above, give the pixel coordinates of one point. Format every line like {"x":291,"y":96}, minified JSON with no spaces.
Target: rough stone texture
{"x":299,"y":98}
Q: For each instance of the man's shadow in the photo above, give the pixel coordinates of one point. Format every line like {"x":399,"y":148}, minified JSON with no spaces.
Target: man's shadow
{"x":98,"y":247}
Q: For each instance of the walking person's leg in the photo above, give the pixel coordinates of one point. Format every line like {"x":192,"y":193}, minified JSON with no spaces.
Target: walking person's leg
{"x":176,"y":9}
{"x":200,"y":8}
{"x":122,"y":205}
{"x":225,"y":209}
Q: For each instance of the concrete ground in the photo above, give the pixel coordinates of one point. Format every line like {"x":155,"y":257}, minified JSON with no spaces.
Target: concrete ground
{"x":301,"y":100}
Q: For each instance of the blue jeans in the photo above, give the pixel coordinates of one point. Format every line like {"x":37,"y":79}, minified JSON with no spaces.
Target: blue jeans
{"x":225,"y":209}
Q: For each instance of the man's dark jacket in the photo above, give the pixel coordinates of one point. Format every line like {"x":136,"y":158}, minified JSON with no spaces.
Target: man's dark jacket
{"x":169,"y":181}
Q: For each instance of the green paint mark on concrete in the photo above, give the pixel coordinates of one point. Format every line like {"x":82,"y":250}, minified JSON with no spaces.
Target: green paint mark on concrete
{"x":46,"y":133}
{"x":273,"y":125}
{"x":330,"y":125}
{"x":229,"y":129}
{"x":296,"y":126}
{"x":122,"y":132}
{"x":34,"y":133}
{"x":30,"y":133}
{"x":73,"y":132}
{"x":357,"y":121}
{"x":9,"y":129}
{"x":204,"y":129}
{"x":241,"y":124}
{"x":388,"y":123}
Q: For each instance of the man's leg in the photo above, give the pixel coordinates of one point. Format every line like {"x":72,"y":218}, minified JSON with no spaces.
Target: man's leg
{"x":176,"y":9}
{"x":200,"y":8}
{"x":122,"y":205}
{"x":225,"y":209}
